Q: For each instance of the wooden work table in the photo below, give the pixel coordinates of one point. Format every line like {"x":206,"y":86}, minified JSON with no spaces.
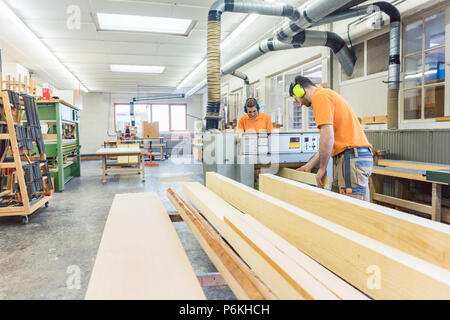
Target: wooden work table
{"x":415,"y":171}
{"x":108,"y":153}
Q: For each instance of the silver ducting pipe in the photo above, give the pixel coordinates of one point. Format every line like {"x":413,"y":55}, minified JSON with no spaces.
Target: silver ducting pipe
{"x":154,"y":98}
{"x":244,"y":77}
{"x":305,"y":38}
{"x":213,"y":46}
{"x":310,"y":13}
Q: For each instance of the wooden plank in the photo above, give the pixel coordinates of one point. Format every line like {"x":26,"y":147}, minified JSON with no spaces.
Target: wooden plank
{"x":118,"y":151}
{"x":211,"y":280}
{"x":272,"y":258}
{"x":297,"y":277}
{"x":6,"y":165}
{"x":140,"y":255}
{"x":404,"y":173}
{"x":374,"y":120}
{"x":214,"y":210}
{"x":423,"y":166}
{"x":417,"y":236}
{"x":241,"y":280}
{"x":339,"y":287}
{"x":422,"y":208}
{"x":442,"y":119}
{"x":306,"y":177}
{"x":349,"y":254}
{"x":436,"y":199}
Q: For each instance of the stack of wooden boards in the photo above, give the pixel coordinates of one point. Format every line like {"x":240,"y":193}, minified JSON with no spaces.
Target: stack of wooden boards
{"x":374,"y":120}
{"x":302,"y":242}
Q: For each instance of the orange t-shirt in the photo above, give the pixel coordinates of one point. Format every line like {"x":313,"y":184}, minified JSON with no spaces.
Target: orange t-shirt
{"x":261,"y":123}
{"x":331,"y":108}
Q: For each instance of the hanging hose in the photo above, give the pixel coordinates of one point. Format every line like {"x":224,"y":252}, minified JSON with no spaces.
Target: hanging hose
{"x":213,"y":73}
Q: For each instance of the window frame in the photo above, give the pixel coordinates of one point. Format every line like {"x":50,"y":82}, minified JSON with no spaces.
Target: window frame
{"x":299,"y":69}
{"x":446,"y":83}
{"x":150,"y":113}
{"x":365,"y":77}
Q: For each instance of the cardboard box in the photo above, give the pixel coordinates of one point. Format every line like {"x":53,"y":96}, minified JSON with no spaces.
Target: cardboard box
{"x":150,"y":130}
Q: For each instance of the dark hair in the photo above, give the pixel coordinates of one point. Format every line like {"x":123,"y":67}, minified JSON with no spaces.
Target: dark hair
{"x":303,"y":81}
{"x":251,"y":102}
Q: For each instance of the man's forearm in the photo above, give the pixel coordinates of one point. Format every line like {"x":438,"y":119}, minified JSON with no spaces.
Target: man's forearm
{"x":314,"y":161}
{"x":325,"y":147}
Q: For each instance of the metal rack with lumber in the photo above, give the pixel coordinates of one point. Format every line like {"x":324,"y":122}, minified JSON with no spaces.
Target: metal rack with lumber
{"x":20,"y":163}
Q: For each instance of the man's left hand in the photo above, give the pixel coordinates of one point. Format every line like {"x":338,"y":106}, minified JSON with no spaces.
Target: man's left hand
{"x":319,"y":177}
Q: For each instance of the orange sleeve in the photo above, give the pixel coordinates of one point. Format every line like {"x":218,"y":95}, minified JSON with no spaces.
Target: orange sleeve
{"x":323,"y":109}
{"x":269,"y":124}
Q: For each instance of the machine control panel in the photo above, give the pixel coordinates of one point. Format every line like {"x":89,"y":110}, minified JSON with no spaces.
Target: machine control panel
{"x":310,"y":142}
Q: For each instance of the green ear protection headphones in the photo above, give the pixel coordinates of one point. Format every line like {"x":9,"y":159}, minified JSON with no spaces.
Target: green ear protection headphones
{"x":297,"y":90}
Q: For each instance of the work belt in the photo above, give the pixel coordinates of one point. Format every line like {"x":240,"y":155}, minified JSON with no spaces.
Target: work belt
{"x":351,"y":153}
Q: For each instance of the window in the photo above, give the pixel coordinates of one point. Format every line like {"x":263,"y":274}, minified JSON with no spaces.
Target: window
{"x":279,"y":96}
{"x":178,"y":117}
{"x":171,"y":117}
{"x":378,"y":54}
{"x":424,"y":68}
{"x":376,"y":50}
{"x":160,"y":114}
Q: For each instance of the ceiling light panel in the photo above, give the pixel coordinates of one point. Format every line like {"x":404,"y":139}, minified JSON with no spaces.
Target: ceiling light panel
{"x":122,"y":22}
{"x":139,"y":69}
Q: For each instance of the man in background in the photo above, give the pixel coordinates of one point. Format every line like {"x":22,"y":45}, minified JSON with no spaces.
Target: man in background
{"x":254,"y":120}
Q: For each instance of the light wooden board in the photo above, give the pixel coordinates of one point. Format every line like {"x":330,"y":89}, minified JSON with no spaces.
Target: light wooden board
{"x":420,"y":237}
{"x":140,"y":255}
{"x":214,"y":210}
{"x":241,"y":280}
{"x":339,"y":287}
{"x":275,"y":268}
{"x":412,"y":165}
{"x":381,"y":271}
{"x":306,"y":177}
{"x":404,"y":173}
{"x":118,"y":151}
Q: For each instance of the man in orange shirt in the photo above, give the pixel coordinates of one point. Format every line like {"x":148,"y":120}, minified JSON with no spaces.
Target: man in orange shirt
{"x":341,"y":137}
{"x":254,"y":120}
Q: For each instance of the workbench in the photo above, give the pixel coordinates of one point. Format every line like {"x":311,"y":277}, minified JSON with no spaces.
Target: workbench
{"x":108,"y":153}
{"x":412,"y":171}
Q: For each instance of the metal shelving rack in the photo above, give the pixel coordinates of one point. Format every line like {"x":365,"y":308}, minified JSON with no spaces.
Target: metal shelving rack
{"x":64,"y":154}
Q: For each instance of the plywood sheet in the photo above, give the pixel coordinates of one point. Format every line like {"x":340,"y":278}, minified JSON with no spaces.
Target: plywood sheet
{"x":140,"y":255}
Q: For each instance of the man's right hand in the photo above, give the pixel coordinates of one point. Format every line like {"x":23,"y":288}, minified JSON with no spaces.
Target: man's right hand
{"x":304,"y":168}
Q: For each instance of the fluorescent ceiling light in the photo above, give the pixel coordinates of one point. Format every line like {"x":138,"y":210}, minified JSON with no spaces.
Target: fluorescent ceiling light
{"x":123,"y":22}
{"x":133,"y":68}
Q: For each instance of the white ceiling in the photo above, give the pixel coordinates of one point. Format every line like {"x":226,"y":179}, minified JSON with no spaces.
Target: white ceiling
{"x":87,"y":53}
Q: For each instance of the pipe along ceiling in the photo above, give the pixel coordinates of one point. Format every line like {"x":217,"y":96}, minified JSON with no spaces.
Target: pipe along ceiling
{"x":294,"y":34}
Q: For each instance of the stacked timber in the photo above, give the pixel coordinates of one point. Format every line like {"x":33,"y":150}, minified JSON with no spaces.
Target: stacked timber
{"x":303,"y":242}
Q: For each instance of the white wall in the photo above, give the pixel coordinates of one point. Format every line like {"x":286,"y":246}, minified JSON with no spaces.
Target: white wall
{"x":97,"y":117}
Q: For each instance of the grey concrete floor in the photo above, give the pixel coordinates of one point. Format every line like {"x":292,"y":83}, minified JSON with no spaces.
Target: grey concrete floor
{"x":39,"y":260}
